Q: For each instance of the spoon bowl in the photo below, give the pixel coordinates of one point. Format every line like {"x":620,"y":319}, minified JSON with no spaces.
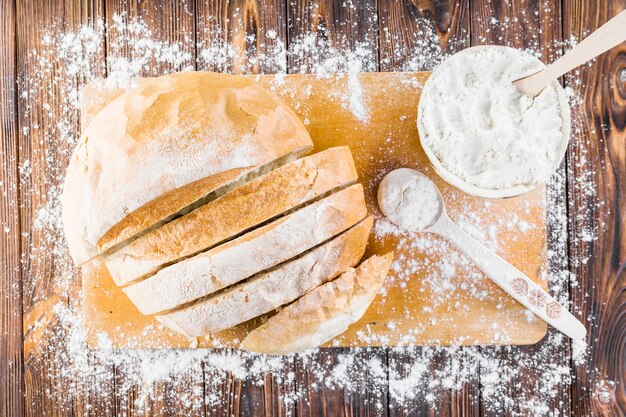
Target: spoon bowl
{"x":410,"y":200}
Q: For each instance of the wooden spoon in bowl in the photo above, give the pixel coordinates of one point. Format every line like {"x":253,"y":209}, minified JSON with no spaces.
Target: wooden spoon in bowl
{"x":609,"y":35}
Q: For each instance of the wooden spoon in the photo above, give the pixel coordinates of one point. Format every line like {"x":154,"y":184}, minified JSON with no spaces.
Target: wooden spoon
{"x":609,"y":35}
{"x":513,"y":281}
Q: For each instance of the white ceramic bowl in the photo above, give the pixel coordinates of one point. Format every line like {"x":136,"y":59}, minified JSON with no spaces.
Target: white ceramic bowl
{"x":472,"y":189}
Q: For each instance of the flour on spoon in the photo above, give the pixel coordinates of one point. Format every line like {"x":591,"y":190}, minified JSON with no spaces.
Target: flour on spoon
{"x":409,"y":199}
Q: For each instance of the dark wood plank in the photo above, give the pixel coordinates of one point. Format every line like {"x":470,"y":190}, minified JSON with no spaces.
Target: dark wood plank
{"x":180,"y":391}
{"x":329,"y":26}
{"x":171,"y":22}
{"x":534,"y":25}
{"x":342,"y":382}
{"x":97,"y":390}
{"x":597,"y":162}
{"x":242,"y":36}
{"x":11,"y":351}
{"x":415,"y":383}
{"x":266,"y":394}
{"x":414,"y":35}
{"x":528,"y":24}
{"x":45,"y":88}
{"x":220,"y":389}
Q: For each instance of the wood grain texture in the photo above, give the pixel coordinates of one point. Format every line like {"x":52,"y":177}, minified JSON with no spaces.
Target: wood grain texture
{"x":44,"y":89}
{"x":170,"y":21}
{"x":410,"y":28}
{"x":528,"y":24}
{"x":242,"y":36}
{"x":226,"y":395}
{"x":413,"y":400}
{"x":532,"y":25}
{"x":597,"y":161}
{"x":355,"y":392}
{"x":330,"y":25}
{"x":11,"y":351}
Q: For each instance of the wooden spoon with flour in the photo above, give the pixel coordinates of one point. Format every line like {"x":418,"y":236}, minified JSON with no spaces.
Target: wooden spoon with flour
{"x":412,"y":201}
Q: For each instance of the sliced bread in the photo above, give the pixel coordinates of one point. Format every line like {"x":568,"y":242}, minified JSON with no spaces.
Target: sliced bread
{"x":232,"y":214}
{"x":271,"y":289}
{"x":183,"y":200}
{"x":163,"y":134}
{"x":256,"y":251}
{"x":322,"y":314}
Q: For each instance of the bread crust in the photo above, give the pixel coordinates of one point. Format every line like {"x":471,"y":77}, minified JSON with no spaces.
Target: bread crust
{"x":272,"y":289}
{"x":242,"y":209}
{"x":256,"y":251}
{"x":323,"y":313}
{"x":163,"y":134}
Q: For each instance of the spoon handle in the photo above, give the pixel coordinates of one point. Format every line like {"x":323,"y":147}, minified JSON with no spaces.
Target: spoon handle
{"x":511,"y":280}
{"x":609,"y":35}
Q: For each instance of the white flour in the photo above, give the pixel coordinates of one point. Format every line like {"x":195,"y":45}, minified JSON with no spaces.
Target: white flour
{"x":482,"y":129}
{"x":176,"y":379}
{"x":409,"y":199}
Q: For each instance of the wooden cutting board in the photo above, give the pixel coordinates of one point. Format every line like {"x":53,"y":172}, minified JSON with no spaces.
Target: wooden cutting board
{"x":375,"y":115}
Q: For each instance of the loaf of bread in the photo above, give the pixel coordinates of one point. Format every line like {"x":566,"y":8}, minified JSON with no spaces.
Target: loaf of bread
{"x":323,"y":313}
{"x":256,"y":251}
{"x":272,"y":289}
{"x":163,"y":147}
{"x":245,"y":207}
{"x":192,"y":189}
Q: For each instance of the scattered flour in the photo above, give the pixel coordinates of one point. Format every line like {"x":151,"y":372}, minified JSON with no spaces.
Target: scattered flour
{"x":177,"y":378}
{"x":482,"y":129}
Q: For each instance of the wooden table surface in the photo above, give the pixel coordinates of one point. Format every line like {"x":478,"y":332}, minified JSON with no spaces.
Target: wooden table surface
{"x":390,"y":28}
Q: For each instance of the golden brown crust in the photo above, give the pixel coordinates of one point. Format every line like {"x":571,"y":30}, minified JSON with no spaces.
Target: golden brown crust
{"x":323,"y":313}
{"x":94,"y":96}
{"x":241,"y":209}
{"x":165,"y":205}
{"x":163,"y":134}
{"x":270,"y":290}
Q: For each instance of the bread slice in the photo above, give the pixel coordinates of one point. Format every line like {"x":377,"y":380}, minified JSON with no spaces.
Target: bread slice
{"x":163,"y":134}
{"x":232,"y":214}
{"x":322,"y":314}
{"x":258,"y":250}
{"x":183,"y":200}
{"x":269,"y":290}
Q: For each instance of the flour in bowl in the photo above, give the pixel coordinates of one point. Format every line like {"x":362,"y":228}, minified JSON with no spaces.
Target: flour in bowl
{"x":482,"y":130}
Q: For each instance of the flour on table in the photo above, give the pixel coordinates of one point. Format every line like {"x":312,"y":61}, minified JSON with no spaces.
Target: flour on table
{"x":138,"y":376}
{"x":482,"y":129}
